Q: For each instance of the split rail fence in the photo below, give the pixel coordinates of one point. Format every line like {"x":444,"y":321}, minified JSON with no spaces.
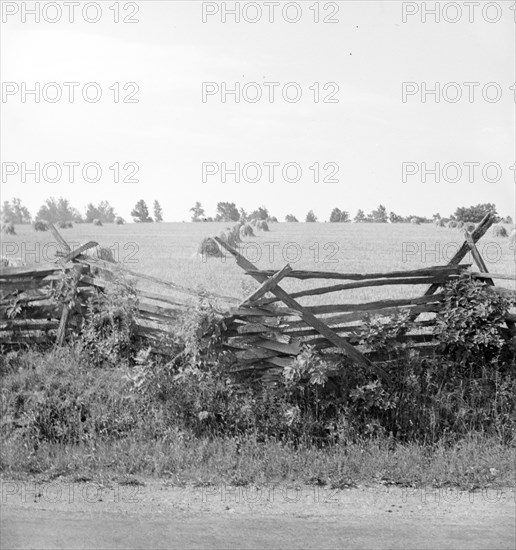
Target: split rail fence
{"x":266,"y":331}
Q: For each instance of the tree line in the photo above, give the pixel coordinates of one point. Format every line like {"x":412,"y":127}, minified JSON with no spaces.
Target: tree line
{"x":61,"y":211}
{"x":228,"y":212}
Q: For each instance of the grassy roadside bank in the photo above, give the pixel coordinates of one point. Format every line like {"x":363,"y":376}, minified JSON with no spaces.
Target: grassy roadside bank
{"x":473,"y":463}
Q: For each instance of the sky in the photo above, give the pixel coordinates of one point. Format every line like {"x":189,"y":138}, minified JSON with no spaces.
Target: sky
{"x":364,"y":147}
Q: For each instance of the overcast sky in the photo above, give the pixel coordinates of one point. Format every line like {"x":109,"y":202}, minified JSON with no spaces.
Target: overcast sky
{"x":170,"y":132}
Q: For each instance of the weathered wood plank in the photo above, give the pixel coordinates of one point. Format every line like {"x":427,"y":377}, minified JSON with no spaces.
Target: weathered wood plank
{"x":253,"y":354}
{"x":280,"y":361}
{"x":358,"y":316}
{"x":378,"y":305}
{"x":28,"y":324}
{"x":67,"y":307}
{"x":293,"y":348}
{"x":27,"y":271}
{"x":477,"y":256}
{"x":363,"y":284}
{"x":57,"y":236}
{"x":501,"y":276}
{"x":430,"y":272}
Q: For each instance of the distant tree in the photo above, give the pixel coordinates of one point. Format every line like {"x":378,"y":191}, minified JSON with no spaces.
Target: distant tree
{"x":290,"y":218}
{"x":107,"y":212}
{"x":140,"y":212}
{"x":14,"y":212}
{"x":92,"y":213}
{"x":508,"y":219}
{"x":103,"y":212}
{"x":360,"y":217}
{"x":261,"y":214}
{"x":475,"y":213}
{"x":227,"y":212}
{"x":21,"y":213}
{"x":243,"y":215}
{"x":339,"y":216}
{"x":60,"y":210}
{"x":436,"y":216}
{"x":272,"y":219}
{"x":379,"y":215}
{"x":158,"y":212}
{"x":394,"y":218}
{"x":310,"y":217}
{"x":335,"y":215}
{"x":197,"y":212}
{"x":7,"y":212}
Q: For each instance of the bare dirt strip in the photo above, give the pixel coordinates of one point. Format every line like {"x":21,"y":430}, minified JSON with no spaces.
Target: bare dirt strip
{"x":159,"y":515}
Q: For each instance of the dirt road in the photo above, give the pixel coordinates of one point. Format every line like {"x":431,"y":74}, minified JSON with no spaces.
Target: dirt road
{"x":158,"y":515}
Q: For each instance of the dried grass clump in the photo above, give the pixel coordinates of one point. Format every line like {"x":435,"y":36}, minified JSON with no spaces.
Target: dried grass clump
{"x":247,"y":230}
{"x":8,"y":228}
{"x":209,"y":247}
{"x":228,"y":237}
{"x":452,"y":224}
{"x":97,"y":222}
{"x":235,"y":231}
{"x":40,"y":226}
{"x":500,"y":231}
{"x":262,"y":225}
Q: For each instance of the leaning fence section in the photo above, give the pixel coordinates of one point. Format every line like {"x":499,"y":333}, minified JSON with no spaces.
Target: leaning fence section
{"x":44,"y":304}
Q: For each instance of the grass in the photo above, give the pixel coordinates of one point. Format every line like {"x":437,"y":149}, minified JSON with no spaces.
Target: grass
{"x":473,"y":463}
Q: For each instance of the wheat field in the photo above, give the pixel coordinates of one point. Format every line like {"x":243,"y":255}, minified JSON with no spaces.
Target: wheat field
{"x":169,"y":251}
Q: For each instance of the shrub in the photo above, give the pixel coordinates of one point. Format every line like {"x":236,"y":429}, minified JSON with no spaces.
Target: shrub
{"x":109,"y":336}
{"x":65,"y":225}
{"x":96,"y":221}
{"x":470,"y":327}
{"x":452,"y":224}
{"x":119,"y":220}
